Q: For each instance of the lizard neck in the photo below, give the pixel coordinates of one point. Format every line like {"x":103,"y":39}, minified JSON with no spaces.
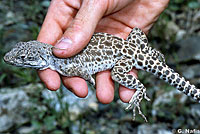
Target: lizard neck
{"x":63,"y":66}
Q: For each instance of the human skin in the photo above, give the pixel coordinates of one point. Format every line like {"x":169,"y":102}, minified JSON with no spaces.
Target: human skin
{"x":73,"y":22}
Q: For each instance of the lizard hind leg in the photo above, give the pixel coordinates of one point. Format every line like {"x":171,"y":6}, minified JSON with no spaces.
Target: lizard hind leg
{"x":135,"y":34}
{"x":138,"y":37}
{"x":120,"y":74}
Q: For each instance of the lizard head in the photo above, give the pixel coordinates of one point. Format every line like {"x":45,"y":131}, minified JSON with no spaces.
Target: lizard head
{"x":31,"y":54}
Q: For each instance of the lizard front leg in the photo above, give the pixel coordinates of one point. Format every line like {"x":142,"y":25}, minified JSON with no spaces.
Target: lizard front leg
{"x":120,"y":74}
{"x":75,"y":70}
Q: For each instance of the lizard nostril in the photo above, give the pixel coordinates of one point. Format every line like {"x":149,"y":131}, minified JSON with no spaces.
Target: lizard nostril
{"x":6,"y":58}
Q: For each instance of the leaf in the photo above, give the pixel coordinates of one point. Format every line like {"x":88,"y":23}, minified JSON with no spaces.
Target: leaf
{"x":194,"y":4}
{"x":57,"y":132}
{"x":2,"y":77}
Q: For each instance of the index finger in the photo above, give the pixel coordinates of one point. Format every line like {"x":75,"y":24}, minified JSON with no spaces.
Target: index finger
{"x":52,"y":30}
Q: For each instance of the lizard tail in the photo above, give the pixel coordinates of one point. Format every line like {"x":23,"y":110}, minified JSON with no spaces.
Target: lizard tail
{"x":179,"y":82}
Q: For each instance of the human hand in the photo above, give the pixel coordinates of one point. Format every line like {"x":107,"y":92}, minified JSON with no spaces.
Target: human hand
{"x":76,"y":21}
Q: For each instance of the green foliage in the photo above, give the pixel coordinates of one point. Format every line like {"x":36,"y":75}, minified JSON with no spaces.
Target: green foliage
{"x":20,"y":21}
{"x":176,"y":5}
{"x":193,"y":4}
{"x":47,"y":119}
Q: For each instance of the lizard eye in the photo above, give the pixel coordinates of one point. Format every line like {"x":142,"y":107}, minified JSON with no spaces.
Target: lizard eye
{"x":31,"y":58}
{"x":20,"y":57}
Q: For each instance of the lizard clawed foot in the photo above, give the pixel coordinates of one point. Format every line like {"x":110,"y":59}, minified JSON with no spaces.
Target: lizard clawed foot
{"x":146,"y":97}
{"x":135,"y":103}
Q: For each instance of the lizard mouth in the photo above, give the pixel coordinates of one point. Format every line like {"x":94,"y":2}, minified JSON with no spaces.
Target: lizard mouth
{"x":8,"y":58}
{"x":12,"y":61}
{"x":23,"y":65}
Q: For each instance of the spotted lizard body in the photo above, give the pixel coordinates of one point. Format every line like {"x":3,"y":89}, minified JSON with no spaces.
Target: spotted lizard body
{"x":103,"y":52}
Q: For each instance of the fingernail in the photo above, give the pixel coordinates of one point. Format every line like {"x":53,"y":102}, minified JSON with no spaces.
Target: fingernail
{"x":63,"y":43}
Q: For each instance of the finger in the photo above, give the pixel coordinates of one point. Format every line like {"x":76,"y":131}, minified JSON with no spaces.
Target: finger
{"x":50,"y":78}
{"x":125,"y":93}
{"x":58,"y":18}
{"x":77,"y":85}
{"x":52,"y":29}
{"x":104,"y":87}
{"x":82,"y":28}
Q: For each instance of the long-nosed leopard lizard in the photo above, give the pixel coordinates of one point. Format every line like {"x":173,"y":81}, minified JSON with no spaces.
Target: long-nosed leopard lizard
{"x":103,"y":52}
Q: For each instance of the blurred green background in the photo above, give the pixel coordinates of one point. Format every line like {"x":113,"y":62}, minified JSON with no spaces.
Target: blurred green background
{"x":26,"y":106}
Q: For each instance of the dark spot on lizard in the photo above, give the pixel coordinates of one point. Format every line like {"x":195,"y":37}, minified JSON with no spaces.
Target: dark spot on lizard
{"x":101,"y":46}
{"x":183,"y":83}
{"x":109,"y":52}
{"x":120,"y":70}
{"x":153,"y":58}
{"x":160,"y":68}
{"x":167,"y":72}
{"x":141,"y":57}
{"x":151,"y":62}
{"x":134,"y":81}
{"x":142,"y":46}
{"x":65,"y":61}
{"x":143,"y":52}
{"x":138,"y":41}
{"x":178,"y":80}
{"x":124,"y":79}
{"x":136,"y":56}
{"x":126,"y":46}
{"x":89,"y":46}
{"x":98,"y":53}
{"x":181,"y":88}
{"x":149,"y":66}
{"x":124,"y":50}
{"x":175,"y":85}
{"x":106,"y":57}
{"x":131,"y":44}
{"x":145,"y":40}
{"x":186,"y":90}
{"x":138,"y":34}
{"x":189,"y":87}
{"x":122,"y":64}
{"x":172,"y":76}
{"x":130,"y":52}
{"x":130,"y":63}
{"x":98,"y":59}
{"x":193,"y":92}
{"x":159,"y":73}
{"x":130,"y":76}
{"x":164,"y":65}
{"x":122,"y":75}
{"x":140,"y":63}
{"x":119,"y":46}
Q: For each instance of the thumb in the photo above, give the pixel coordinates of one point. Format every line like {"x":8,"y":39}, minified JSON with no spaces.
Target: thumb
{"x":81,"y":29}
